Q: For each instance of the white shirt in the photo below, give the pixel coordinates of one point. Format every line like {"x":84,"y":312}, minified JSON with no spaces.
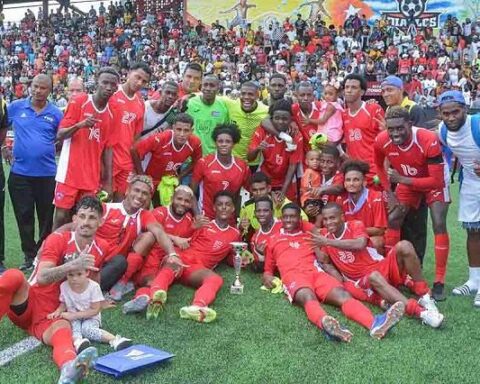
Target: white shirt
{"x":463,"y":146}
{"x":79,"y":302}
{"x":151,"y":118}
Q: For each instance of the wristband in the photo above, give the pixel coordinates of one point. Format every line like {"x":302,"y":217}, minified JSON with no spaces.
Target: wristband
{"x":172,"y":254}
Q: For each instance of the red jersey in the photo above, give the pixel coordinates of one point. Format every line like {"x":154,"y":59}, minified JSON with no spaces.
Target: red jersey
{"x":369,"y":209}
{"x":360,"y":131}
{"x":210,"y":245}
{"x":352,"y":264}
{"x":260,"y":237}
{"x":127,"y":123}
{"x":275,"y":158}
{"x":307,"y":130}
{"x":421,"y":158}
{"x":212,"y":176}
{"x":290,"y":253}
{"x":79,"y":165}
{"x":59,"y":248}
{"x":120,"y":229}
{"x":161,"y":157}
{"x":178,"y":227}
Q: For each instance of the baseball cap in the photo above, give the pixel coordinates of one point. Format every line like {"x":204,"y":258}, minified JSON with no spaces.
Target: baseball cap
{"x":451,"y":97}
{"x":394,"y":81}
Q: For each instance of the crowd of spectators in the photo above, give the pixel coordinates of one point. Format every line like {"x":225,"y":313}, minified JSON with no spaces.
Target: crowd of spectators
{"x":68,"y":45}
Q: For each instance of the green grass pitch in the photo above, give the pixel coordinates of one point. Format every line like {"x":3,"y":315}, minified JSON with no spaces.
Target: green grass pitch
{"x":261,"y":338}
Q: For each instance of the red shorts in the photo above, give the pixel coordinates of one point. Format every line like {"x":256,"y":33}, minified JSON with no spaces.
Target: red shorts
{"x":187,"y":272}
{"x":34,"y":319}
{"x":320,"y":283}
{"x":120,"y":181}
{"x":150,"y":267}
{"x":412,"y":199}
{"x":388,"y":267}
{"x":66,"y":196}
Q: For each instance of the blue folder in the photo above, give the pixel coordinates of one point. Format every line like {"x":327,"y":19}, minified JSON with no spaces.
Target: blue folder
{"x":131,"y":360}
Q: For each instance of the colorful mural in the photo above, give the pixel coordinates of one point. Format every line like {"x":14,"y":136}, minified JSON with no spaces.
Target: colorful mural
{"x":263,"y":12}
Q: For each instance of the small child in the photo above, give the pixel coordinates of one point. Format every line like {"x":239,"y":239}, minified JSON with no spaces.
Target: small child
{"x":333,"y":127}
{"x":80,"y":303}
{"x":312,"y":177}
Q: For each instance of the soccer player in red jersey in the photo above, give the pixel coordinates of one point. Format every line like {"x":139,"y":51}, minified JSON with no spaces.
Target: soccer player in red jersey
{"x":208,"y":247}
{"x":220,"y":171}
{"x":364,"y":204}
{"x":86,"y":134}
{"x":279,"y":160}
{"x":129,"y":229}
{"x":344,"y":244}
{"x":179,"y":225}
{"x":128,"y":112}
{"x":27,"y":304}
{"x":418,"y":169}
{"x":269,"y":226}
{"x":307,"y":113}
{"x":290,"y":251}
{"x":360,"y":123}
{"x":163,"y":153}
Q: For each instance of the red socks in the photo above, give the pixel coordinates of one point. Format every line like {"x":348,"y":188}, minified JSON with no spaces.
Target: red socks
{"x":392,"y":237}
{"x":10,"y":282}
{"x":315,"y":312}
{"x":142,"y":291}
{"x":206,"y":294}
{"x":413,"y":309}
{"x":163,"y":280}
{"x":420,"y":288}
{"x":135,"y":262}
{"x":62,"y":343}
{"x":442,"y":248}
{"x":356,"y":311}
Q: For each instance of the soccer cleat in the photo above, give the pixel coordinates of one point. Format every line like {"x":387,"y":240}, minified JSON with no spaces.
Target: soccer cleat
{"x":432,"y":318}
{"x":438,"y":291}
{"x":463,"y":290}
{"x":476,"y":301}
{"x":387,"y":320}
{"x":200,"y":314}
{"x":334,"y":331}
{"x":81,"y":344}
{"x":129,"y":287}
{"x":75,"y":370}
{"x":427,"y":302}
{"x":26,"y":266}
{"x":136,"y":305}
{"x":119,"y":343}
{"x":118,"y":290}
{"x":157,"y":304}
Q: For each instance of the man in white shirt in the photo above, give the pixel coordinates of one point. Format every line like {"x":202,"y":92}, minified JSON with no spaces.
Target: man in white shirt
{"x":458,"y":135}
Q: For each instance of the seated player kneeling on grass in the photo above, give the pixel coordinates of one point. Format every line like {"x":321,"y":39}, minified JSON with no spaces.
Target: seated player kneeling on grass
{"x":290,"y":251}
{"x":344,"y":244}
{"x":208,"y":247}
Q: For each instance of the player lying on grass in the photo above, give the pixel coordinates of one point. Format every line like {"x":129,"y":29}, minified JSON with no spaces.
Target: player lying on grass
{"x":208,"y":247}
{"x":344,"y":244}
{"x":290,"y":251}
{"x":28,"y":304}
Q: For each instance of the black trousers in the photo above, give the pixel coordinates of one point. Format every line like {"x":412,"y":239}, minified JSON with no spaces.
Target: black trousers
{"x":30,"y":194}
{"x":112,"y":271}
{"x":2,"y":214}
{"x":414,"y":229}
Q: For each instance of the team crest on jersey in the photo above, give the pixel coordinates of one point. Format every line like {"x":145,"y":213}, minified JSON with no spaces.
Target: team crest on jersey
{"x":128,"y":117}
{"x":217,"y":245}
{"x":278,"y":159}
{"x":70,"y":256}
{"x":215,"y":114}
{"x":94,"y":134}
{"x":294,"y":244}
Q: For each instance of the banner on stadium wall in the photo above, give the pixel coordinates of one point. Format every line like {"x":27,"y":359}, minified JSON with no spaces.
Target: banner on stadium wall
{"x":265,"y":12}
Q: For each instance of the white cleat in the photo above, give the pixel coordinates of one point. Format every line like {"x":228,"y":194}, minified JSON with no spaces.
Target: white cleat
{"x":432,"y":318}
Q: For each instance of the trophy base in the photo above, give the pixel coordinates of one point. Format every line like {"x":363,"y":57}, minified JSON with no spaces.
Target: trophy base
{"x":236,"y":289}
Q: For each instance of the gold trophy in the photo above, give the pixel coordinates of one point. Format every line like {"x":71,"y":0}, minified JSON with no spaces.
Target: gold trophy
{"x":237,"y":286}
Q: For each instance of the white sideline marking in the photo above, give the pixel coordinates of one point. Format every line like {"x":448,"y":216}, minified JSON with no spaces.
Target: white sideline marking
{"x":23,"y":346}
